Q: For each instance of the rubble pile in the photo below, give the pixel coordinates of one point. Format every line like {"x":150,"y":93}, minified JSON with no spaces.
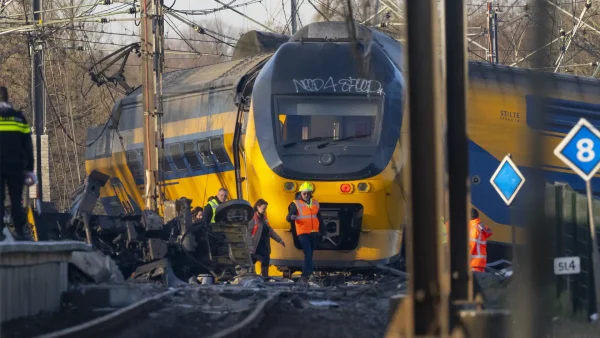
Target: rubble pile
{"x":147,"y":247}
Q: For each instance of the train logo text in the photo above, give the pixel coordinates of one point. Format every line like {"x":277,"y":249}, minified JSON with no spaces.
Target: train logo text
{"x":510,"y":116}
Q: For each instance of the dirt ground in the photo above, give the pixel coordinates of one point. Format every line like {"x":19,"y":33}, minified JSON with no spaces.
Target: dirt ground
{"x":196,"y":312}
{"x":360,"y":312}
{"x":48,"y":322}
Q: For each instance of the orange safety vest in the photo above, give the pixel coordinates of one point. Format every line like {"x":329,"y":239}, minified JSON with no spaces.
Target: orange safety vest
{"x":306,"y":221}
{"x":478,"y":243}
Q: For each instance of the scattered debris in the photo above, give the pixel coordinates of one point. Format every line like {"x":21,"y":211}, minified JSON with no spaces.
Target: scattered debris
{"x":147,"y":247}
{"x":99,"y":267}
{"x":327,"y":303}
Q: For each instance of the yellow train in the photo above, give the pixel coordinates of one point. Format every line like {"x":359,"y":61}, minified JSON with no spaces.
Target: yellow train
{"x":308,"y":111}
{"x":305,"y":114}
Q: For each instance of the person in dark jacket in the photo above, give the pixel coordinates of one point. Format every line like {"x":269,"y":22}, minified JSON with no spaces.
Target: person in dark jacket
{"x":208,"y":215}
{"x":307,"y":223}
{"x":197,"y":215}
{"x":261,"y":233}
{"x":16,"y":163}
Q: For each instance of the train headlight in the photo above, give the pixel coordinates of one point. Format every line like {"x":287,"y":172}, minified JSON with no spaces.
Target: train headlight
{"x":363,"y":187}
{"x":289,"y":186}
{"x":326,"y":159}
{"x":346,"y":188}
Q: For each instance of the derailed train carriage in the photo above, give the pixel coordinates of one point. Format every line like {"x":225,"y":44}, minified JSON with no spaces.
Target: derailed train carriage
{"x":307,"y":110}
{"x":321,"y":108}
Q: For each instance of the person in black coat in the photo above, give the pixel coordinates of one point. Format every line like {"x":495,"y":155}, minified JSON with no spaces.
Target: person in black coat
{"x":16,"y":163}
{"x":261,"y":233}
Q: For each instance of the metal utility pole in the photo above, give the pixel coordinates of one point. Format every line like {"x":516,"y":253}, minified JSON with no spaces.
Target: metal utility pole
{"x":458,"y":159}
{"x":376,"y":18}
{"x":492,"y":26}
{"x":152,"y":49}
{"x":72,"y":34}
{"x":428,"y":314}
{"x":493,"y":33}
{"x":38,"y":92}
{"x":294,"y":14}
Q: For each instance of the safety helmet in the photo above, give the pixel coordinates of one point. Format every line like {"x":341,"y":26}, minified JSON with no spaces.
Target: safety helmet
{"x":307,"y":186}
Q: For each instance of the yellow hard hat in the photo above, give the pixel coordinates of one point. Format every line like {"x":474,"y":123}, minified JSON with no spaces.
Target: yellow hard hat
{"x":307,"y":186}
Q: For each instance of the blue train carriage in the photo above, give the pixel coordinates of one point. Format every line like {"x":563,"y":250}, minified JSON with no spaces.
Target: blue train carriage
{"x":304,"y":113}
{"x":499,"y":122}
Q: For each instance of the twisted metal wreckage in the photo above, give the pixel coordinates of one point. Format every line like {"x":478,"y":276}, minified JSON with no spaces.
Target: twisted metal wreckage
{"x":146,"y":247}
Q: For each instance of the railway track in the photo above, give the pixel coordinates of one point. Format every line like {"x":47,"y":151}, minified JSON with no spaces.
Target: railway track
{"x":227,"y":312}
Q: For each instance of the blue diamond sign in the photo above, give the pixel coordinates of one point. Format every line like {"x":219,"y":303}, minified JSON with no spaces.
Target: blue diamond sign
{"x":580,"y":149}
{"x":507,"y":180}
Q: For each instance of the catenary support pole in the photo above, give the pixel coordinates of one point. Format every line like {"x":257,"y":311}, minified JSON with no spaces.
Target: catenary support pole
{"x":152,"y":69}
{"x":294,"y":14}
{"x":38,"y":93}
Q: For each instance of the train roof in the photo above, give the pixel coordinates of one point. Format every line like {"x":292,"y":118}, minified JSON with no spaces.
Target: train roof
{"x":256,"y":42}
{"x":340,"y":31}
{"x":217,"y":76}
{"x":515,"y":75}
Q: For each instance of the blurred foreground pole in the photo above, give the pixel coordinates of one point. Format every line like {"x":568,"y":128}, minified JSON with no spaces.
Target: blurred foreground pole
{"x":429,"y":315}
{"x":458,"y":160}
{"x":532,"y":314}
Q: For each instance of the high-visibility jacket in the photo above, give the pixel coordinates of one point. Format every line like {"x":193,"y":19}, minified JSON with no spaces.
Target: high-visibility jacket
{"x":16,"y":148}
{"x":478,"y":236}
{"x":213,"y":204}
{"x":307,"y":222}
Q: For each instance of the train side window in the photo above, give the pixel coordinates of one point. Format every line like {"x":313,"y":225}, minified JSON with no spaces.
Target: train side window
{"x":190,"y":155}
{"x":166,"y":165}
{"x":177,"y":156}
{"x":204,"y":150}
{"x":217,"y":147}
{"x":135,"y":163}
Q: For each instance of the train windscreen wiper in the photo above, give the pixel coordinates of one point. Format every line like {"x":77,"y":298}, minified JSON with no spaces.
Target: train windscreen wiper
{"x":323,"y":145}
{"x":287,"y":145}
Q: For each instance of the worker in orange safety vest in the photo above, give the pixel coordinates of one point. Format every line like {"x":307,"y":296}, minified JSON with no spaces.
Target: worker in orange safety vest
{"x":306,"y":218}
{"x":478,"y":235}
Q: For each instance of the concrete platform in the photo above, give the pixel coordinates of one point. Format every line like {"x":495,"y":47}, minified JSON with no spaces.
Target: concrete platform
{"x":33,"y":276}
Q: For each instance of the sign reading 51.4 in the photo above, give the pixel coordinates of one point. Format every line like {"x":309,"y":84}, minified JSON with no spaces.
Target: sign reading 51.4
{"x":580,"y":149}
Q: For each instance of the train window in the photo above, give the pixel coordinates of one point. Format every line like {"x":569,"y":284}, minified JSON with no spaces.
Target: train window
{"x":352,"y":120}
{"x":204,"y":150}
{"x":177,"y":156}
{"x":135,"y":163}
{"x":166,"y":165}
{"x":190,"y":155}
{"x":217,"y":147}
{"x":100,"y":146}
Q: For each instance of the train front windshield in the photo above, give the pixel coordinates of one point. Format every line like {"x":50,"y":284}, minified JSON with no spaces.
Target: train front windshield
{"x":351,"y":121}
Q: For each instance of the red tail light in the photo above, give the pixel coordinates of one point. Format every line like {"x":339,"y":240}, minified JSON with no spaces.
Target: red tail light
{"x":346,"y":188}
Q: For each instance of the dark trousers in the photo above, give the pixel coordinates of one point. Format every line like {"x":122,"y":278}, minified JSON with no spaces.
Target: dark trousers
{"x":264,"y":263}
{"x":14,"y":182}
{"x":308,"y":243}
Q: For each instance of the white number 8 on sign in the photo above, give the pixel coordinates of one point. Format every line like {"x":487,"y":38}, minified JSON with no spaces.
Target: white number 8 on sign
{"x":585,"y":152}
